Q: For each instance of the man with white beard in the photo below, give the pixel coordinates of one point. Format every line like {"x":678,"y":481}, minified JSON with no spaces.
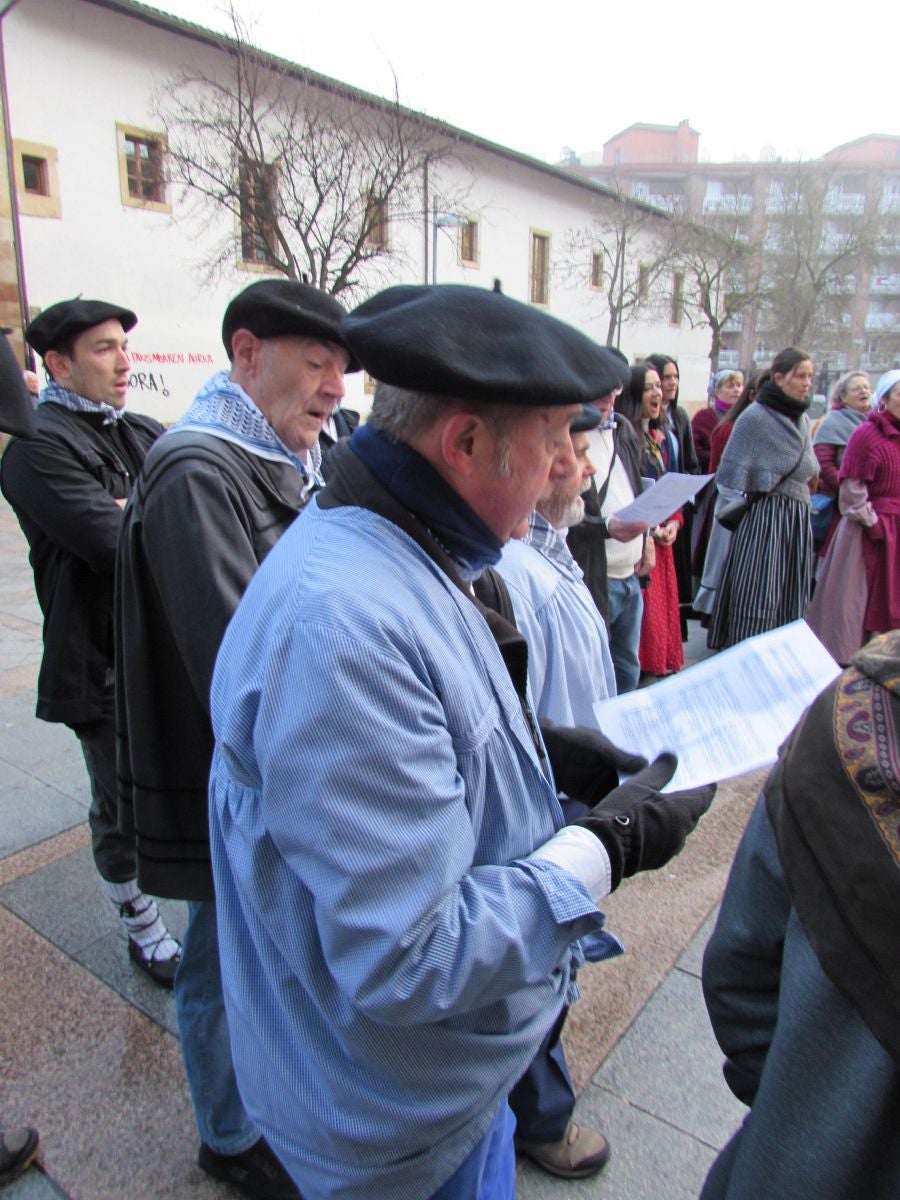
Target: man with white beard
{"x":569,"y":661}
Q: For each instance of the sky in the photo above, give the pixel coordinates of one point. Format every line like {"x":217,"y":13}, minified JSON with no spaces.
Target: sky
{"x":755,"y":80}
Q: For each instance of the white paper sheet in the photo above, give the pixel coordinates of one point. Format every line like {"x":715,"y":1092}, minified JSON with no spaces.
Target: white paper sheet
{"x":729,"y":713}
{"x":665,"y":497}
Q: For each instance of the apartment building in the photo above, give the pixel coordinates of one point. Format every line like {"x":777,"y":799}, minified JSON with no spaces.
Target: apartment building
{"x":660,"y":165}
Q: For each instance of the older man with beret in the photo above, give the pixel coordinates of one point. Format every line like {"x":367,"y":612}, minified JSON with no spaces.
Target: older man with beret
{"x":67,"y":484}
{"x":400,"y":912}
{"x":216,"y":493}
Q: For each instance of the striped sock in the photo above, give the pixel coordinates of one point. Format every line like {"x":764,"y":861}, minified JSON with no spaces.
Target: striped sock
{"x":142,"y":921}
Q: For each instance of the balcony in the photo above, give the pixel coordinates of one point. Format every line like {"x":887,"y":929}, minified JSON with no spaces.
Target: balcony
{"x":776,"y":203}
{"x":734,"y":324}
{"x":885,"y":284}
{"x":836,"y":361}
{"x":845,"y":203}
{"x":729,"y":360}
{"x":885,"y":322}
{"x":890,"y":203}
{"x":733,"y":205}
{"x":842,"y":286}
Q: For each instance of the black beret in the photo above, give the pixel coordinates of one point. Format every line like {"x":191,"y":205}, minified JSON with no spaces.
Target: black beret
{"x":285,"y":308}
{"x":586,"y":420}
{"x":473,"y":344}
{"x":61,"y":322}
{"x":16,"y":402}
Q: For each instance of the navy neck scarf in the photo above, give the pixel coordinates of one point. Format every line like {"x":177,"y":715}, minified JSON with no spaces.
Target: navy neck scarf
{"x":414,"y":482}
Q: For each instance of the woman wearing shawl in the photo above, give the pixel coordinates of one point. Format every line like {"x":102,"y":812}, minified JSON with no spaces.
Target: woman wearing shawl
{"x":858,"y":592}
{"x":802,"y":973}
{"x":849,"y":408}
{"x":661,"y":651}
{"x":769,"y":459}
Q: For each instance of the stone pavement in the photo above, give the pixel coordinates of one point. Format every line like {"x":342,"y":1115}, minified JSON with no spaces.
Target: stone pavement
{"x":88,"y":1048}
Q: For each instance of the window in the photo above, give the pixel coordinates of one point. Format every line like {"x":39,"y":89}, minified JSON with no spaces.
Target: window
{"x":142,"y":179}
{"x":37,"y":182}
{"x":540,"y":268}
{"x":377,"y":223}
{"x":34,"y":175}
{"x":597,"y":270}
{"x":256,"y":185}
{"x":643,"y":286}
{"x":468,"y":242}
{"x":677,"y":298}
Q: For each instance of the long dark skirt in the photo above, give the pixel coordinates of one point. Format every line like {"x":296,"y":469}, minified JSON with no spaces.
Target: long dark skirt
{"x":766,"y":580}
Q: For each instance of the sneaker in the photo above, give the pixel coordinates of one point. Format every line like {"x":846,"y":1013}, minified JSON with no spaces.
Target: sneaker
{"x":18,"y":1148}
{"x":160,"y":970}
{"x":257,"y":1172}
{"x":578,"y":1153}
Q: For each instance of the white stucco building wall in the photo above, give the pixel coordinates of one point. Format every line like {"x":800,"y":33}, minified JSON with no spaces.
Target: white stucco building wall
{"x":77,"y":70}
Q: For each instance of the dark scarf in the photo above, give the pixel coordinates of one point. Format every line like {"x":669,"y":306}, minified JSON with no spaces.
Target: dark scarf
{"x":834,"y":803}
{"x":413,"y":481}
{"x":770,"y":395}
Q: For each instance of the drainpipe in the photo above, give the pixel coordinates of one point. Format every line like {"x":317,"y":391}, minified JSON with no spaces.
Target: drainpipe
{"x":6,"y":7}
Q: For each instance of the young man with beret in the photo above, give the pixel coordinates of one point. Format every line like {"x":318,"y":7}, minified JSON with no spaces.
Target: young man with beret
{"x":400,"y":911}
{"x":216,"y":492}
{"x":68,"y":484}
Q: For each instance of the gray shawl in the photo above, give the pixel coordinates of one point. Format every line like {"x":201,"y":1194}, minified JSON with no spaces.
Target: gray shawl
{"x":763,"y":447}
{"x":837,"y":426}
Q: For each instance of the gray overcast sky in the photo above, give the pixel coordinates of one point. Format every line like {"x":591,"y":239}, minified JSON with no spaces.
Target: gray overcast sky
{"x":771,"y":76}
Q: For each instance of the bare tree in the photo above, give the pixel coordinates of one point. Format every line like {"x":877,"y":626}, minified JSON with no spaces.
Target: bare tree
{"x":721,"y":273}
{"x":311,"y":174}
{"x":623,"y":255}
{"x":812,"y":247}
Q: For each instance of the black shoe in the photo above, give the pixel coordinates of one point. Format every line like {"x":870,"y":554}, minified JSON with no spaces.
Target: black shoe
{"x":18,"y":1148}
{"x":257,"y":1172}
{"x":160,"y":970}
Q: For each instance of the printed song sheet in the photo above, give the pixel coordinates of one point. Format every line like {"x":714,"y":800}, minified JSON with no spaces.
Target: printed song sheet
{"x":666,"y":496}
{"x":729,"y":713}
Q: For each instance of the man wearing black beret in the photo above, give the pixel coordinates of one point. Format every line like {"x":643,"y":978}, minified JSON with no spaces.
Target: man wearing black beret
{"x":215,"y":494}
{"x":400,"y":909}
{"x":68,"y":484}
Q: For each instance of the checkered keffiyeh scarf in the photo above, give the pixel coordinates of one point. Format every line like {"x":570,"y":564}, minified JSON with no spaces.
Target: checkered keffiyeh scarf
{"x":223,"y":409}
{"x":55,"y":393}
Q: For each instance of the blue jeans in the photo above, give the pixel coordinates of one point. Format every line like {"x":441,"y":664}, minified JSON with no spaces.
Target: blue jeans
{"x":205,"y":1045}
{"x":626,"y":608}
{"x":489,"y":1173}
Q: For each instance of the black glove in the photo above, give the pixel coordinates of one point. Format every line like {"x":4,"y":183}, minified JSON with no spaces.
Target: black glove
{"x":585,"y":764}
{"x":642,"y":829}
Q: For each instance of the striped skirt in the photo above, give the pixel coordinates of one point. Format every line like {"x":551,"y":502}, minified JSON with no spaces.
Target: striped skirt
{"x":766,"y":580}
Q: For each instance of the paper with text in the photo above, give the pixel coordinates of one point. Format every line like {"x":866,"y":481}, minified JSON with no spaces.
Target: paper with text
{"x":729,"y":713}
{"x":666,"y":496}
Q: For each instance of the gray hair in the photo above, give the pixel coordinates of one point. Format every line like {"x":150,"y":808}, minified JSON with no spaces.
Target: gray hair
{"x":840,"y":389}
{"x":406,"y":416}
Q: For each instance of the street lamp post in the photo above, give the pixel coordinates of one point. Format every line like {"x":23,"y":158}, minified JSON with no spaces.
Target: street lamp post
{"x":441,"y":220}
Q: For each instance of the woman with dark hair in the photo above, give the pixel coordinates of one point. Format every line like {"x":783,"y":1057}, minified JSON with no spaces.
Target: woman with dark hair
{"x":684,"y":460}
{"x":769,"y":459}
{"x":660,"y":651}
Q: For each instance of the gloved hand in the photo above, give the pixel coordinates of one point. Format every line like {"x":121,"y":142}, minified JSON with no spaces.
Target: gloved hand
{"x":585,"y":764}
{"x":642,"y":829}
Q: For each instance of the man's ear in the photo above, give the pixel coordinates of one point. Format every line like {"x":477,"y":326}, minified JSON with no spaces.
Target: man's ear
{"x":465,"y":442}
{"x":245,"y":347}
{"x":58,"y":366}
